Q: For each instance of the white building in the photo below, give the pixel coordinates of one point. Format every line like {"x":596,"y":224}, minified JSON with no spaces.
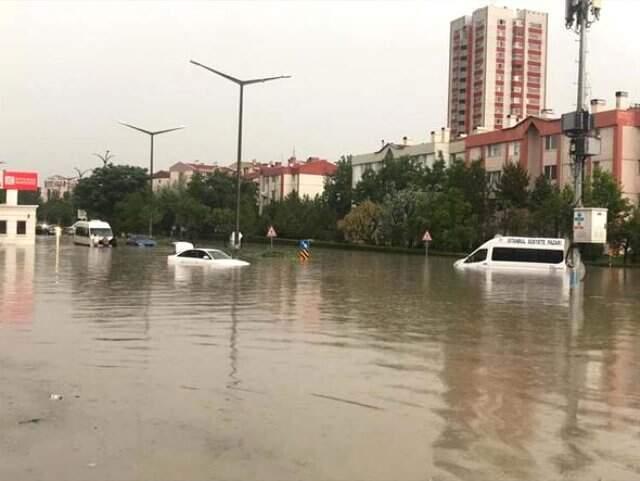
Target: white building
{"x":438,"y":148}
{"x":278,"y":181}
{"x":17,"y":222}
{"x":497,"y":67}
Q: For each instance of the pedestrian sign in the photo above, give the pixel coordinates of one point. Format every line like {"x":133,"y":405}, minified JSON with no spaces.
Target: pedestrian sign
{"x":271,"y":232}
{"x":426,"y":237}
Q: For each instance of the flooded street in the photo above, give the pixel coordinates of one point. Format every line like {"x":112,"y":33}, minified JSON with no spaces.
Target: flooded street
{"x":353,"y":366}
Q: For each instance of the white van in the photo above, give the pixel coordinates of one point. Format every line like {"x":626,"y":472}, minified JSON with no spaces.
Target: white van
{"x":517,"y":253}
{"x":93,"y":233}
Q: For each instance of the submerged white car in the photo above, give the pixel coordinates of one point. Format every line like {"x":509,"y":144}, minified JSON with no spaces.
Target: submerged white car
{"x":187,"y":254}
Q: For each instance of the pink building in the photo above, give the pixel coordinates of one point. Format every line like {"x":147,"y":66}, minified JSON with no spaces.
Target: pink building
{"x":540,"y":147}
{"x":497,"y":67}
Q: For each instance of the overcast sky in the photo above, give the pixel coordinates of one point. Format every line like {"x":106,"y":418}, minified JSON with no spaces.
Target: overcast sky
{"x":362,"y":72}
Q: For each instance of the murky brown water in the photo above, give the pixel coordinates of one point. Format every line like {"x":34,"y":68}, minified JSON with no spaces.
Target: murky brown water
{"x":354,"y":366}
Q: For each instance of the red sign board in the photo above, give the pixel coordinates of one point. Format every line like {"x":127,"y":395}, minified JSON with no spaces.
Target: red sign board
{"x":272,"y":232}
{"x":426,"y":237}
{"x":12,"y":180}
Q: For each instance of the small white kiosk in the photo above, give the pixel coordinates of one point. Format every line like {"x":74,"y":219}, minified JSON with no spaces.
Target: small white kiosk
{"x":17,"y":222}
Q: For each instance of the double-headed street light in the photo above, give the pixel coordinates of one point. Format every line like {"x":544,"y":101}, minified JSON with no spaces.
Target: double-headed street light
{"x":241,"y":83}
{"x":151,"y":134}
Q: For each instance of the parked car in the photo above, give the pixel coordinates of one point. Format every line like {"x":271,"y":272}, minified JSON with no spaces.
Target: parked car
{"x":140,"y":240}
{"x":42,"y":228}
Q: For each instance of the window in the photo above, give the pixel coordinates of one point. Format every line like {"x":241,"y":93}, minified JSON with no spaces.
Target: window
{"x":3,"y":227}
{"x":493,"y":177}
{"x":550,"y":142}
{"x":478,"y":256}
{"x":494,"y":150}
{"x":517,"y":90}
{"x":516,"y":100}
{"x":596,"y":165}
{"x":551,"y":172}
{"x":195,"y":254}
{"x":540,"y":256}
{"x":516,"y":148}
{"x":218,"y":255}
{"x":21,"y":228}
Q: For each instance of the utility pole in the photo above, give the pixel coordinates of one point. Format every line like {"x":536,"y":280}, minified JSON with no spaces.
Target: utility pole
{"x":151,"y":134}
{"x":589,"y":224}
{"x":241,"y":84}
{"x":579,"y":16}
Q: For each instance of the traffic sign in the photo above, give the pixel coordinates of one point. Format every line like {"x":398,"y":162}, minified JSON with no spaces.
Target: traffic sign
{"x":426,"y":237}
{"x":271,"y":232}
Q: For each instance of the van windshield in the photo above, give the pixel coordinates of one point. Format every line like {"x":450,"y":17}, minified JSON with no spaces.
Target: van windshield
{"x":101,"y":231}
{"x":478,"y":256}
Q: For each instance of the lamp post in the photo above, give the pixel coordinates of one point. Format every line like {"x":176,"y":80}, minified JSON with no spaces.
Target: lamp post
{"x":241,"y":84}
{"x":151,"y":135}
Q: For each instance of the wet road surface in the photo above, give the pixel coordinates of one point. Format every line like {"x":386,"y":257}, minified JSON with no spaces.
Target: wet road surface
{"x":353,"y":366}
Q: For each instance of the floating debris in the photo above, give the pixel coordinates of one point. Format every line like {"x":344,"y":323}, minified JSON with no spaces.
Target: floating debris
{"x":56,"y":397}
{"x":348,"y":401}
{"x":30,"y":421}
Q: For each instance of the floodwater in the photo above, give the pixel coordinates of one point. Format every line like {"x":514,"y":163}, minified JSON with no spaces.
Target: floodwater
{"x":354,"y":366}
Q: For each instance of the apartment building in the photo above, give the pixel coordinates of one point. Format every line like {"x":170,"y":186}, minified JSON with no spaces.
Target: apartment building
{"x":307,"y":178}
{"x":539,"y":146}
{"x":182,"y":172}
{"x":438,"y":147}
{"x":497,"y":67}
{"x":57,"y":186}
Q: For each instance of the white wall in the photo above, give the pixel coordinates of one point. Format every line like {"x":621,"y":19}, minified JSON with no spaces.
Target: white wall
{"x":14,"y":213}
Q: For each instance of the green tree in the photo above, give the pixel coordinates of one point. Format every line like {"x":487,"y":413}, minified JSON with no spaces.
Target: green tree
{"x":57,"y":211}
{"x":602,"y":190}
{"x":511,"y":197}
{"x":107,"y":187}
{"x":362,"y":224}
{"x":367,"y":187}
{"x":338,"y":189}
{"x":133,"y":213}
{"x":399,"y":224}
{"x":551,"y":209}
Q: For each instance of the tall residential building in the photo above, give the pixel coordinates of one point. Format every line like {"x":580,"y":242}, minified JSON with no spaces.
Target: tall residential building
{"x":497,"y":67}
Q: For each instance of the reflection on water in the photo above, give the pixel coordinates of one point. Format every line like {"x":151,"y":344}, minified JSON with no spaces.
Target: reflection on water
{"x":352,"y":366}
{"x":16,"y":289}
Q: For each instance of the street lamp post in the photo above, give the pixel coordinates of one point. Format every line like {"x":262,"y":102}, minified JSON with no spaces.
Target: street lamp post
{"x":241,"y":84}
{"x":151,"y":134}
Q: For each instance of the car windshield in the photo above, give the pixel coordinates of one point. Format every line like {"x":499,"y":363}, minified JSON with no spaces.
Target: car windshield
{"x":218,"y":254}
{"x":101,"y":231}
